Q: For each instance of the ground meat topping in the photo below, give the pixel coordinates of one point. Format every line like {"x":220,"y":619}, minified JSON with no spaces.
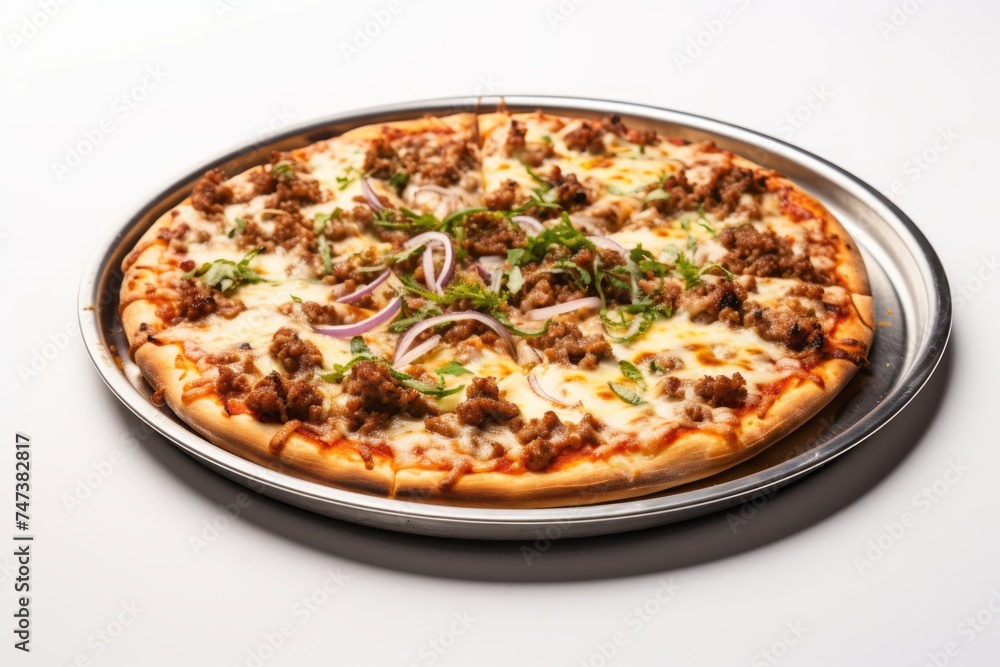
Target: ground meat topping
{"x":709,"y":302}
{"x":231,"y":383}
{"x":589,"y":135}
{"x":565,"y":344}
{"x":440,"y":162}
{"x":722,"y":391}
{"x":198,"y":300}
{"x":766,"y":255}
{"x":210,"y":194}
{"x":279,"y":398}
{"x":570,"y":193}
{"x":483,"y":404}
{"x":490,"y":233}
{"x":721,"y":195}
{"x":544,"y":438}
{"x":294,"y":353}
{"x":792,"y":324}
{"x":463,"y":330}
{"x":375,"y":397}
{"x":503,"y":198}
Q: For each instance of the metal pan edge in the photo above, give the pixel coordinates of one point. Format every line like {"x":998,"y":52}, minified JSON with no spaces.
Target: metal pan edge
{"x":924,"y":280}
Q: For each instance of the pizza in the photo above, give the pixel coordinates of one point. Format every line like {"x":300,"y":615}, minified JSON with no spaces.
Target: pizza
{"x":498,"y":309}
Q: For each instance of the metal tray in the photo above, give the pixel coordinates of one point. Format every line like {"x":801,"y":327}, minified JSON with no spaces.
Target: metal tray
{"x":908,"y":282}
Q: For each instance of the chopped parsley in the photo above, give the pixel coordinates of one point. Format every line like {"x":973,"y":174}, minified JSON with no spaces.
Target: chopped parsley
{"x":453,"y":368}
{"x":563,"y":233}
{"x":632,"y":373}
{"x":626,"y":394}
{"x":399,"y":180}
{"x":295,"y":298}
{"x":361,"y":352}
{"x":283,"y":171}
{"x":241,"y":225}
{"x":346,"y":179}
{"x":226,"y":275}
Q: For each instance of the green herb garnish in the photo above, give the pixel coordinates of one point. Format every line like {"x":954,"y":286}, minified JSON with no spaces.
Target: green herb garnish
{"x":626,"y":394}
{"x":283,"y":171}
{"x":632,"y":373}
{"x":399,"y":180}
{"x":226,"y":275}
{"x":241,"y":225}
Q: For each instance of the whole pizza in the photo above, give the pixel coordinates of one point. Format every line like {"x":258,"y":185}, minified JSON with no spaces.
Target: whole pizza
{"x":498,"y":310}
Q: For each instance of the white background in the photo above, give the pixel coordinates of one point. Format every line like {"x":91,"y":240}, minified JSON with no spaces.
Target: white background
{"x":884,"y":83}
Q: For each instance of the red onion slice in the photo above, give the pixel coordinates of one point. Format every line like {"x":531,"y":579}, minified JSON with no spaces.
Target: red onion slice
{"x":591,"y":302}
{"x":358,"y":328}
{"x":436,"y":189}
{"x":448,"y":266}
{"x":492,"y":262}
{"x":529,"y":224}
{"x":411,"y":334}
{"x":365,"y":290}
{"x":487,"y":264}
{"x":608,"y":244}
{"x":417,"y":352}
{"x":496,"y":278}
{"x":537,"y":388}
{"x":370,"y":196}
{"x":429,"y":276}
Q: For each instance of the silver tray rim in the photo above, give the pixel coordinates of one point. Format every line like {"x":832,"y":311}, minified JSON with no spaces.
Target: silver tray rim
{"x":488,"y":523}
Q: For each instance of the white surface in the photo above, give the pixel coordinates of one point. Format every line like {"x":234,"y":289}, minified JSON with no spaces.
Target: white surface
{"x":231,"y":78}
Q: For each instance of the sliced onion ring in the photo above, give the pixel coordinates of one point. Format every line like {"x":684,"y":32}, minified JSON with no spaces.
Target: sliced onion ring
{"x":530,"y":224}
{"x":411,"y":334}
{"x":417,"y":352}
{"x":537,"y":388}
{"x":358,"y":328}
{"x":487,"y":264}
{"x":429,"y":277}
{"x":430,"y":239}
{"x":591,"y":302}
{"x":434,"y":188}
{"x":371,"y":197}
{"x":608,"y":244}
{"x":365,"y":290}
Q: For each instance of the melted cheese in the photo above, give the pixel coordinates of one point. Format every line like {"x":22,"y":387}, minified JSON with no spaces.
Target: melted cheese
{"x":697,"y":349}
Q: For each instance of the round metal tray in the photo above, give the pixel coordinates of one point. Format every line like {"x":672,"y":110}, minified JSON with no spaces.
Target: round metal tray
{"x":908,"y":282}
